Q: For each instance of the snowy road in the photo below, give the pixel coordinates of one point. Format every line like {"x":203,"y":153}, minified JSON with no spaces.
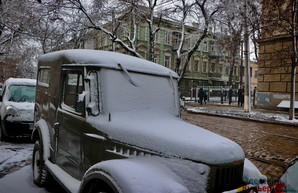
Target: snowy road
{"x":15,"y":168}
{"x":14,"y":155}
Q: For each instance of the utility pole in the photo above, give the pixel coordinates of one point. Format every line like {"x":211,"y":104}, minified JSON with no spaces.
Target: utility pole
{"x":247,"y":94}
{"x":241,"y":65}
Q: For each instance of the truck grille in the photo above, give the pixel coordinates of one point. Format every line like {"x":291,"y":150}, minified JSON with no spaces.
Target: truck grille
{"x":227,"y":177}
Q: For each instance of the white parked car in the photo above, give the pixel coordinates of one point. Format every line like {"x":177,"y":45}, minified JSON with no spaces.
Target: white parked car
{"x":17,"y":107}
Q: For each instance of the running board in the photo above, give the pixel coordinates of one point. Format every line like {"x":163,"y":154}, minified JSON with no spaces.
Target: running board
{"x":70,"y":183}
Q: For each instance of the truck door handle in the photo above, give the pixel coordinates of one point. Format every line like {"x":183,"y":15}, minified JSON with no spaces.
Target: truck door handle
{"x":56,"y":129}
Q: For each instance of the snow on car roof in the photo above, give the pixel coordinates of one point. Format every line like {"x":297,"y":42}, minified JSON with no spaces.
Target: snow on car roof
{"x":20,"y":81}
{"x":105,"y":59}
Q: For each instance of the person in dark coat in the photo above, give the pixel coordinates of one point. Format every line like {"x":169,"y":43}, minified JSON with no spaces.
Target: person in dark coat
{"x":230,"y":95}
{"x":201,"y":95}
{"x":240,"y":96}
{"x":205,"y":98}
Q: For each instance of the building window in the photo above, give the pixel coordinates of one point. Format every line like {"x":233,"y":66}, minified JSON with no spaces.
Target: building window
{"x":168,"y":61}
{"x":196,"y":66}
{"x":155,"y":58}
{"x":156,"y":37}
{"x":212,"y":67}
{"x":143,"y":54}
{"x":205,"y":66}
{"x":227,"y":70}
{"x":205,"y":46}
{"x":143,"y":33}
{"x":220,"y":68}
{"x":212,"y":46}
{"x":176,"y":38}
{"x":167,"y":38}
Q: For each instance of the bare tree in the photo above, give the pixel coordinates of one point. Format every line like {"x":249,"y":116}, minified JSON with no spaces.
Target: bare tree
{"x":232,"y":22}
{"x":254,"y":23}
{"x":14,"y":22}
{"x":200,"y":11}
{"x":92,"y":20}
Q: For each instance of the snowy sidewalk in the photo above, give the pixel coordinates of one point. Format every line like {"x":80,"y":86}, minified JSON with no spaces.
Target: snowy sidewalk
{"x":233,"y":111}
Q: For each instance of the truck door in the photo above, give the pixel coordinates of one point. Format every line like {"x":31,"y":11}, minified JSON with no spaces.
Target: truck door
{"x":70,"y":118}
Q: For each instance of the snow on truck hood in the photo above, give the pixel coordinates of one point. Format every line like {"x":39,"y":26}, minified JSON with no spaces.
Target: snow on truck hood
{"x":171,"y":136}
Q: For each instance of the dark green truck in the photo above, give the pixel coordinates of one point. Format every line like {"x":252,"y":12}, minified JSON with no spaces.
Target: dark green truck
{"x":108,"y":122}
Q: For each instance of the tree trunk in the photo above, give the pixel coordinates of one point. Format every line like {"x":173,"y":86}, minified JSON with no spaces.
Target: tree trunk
{"x":292,"y":97}
{"x":294,"y":61}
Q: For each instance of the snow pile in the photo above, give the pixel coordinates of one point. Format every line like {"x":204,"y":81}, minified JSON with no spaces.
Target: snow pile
{"x":11,"y":156}
{"x":255,"y":116}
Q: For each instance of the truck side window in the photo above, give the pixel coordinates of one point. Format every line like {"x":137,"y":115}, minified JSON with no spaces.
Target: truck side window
{"x":44,"y":77}
{"x":72,"y":88}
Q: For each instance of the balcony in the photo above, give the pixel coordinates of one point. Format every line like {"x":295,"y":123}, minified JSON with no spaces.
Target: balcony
{"x":214,"y":75}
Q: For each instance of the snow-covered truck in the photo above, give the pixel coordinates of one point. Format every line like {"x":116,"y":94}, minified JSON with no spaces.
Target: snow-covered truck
{"x":109,"y":122}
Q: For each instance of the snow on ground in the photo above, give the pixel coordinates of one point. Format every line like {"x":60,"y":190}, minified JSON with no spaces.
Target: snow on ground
{"x":19,"y":182}
{"x":14,"y":156}
{"x":15,"y":169}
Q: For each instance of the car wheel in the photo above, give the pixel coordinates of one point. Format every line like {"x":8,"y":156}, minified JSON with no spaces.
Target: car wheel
{"x":3,"y":137}
{"x":40,"y":174}
{"x":99,"y":187}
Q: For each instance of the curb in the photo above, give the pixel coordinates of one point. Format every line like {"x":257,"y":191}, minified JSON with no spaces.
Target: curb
{"x":235,"y":116}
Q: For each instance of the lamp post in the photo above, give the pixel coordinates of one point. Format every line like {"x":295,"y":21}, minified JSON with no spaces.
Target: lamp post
{"x":247,"y":94}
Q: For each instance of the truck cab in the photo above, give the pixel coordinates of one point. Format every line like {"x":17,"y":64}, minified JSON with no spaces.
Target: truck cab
{"x":109,"y":122}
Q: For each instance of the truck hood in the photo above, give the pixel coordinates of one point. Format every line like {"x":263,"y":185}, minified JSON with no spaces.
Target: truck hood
{"x":169,"y":135}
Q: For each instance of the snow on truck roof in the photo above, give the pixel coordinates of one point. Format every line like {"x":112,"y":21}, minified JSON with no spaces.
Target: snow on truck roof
{"x":105,"y":59}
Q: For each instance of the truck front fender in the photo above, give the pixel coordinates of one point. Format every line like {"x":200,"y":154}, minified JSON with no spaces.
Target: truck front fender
{"x":134,"y":176}
{"x":41,"y":131}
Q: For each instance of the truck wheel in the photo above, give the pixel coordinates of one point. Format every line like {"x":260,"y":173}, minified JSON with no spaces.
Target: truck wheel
{"x":40,"y":174}
{"x":98,"y":186}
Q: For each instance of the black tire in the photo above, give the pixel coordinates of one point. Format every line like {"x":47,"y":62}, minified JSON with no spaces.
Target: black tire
{"x":40,"y":173}
{"x":3,"y":137}
{"x":97,"y":186}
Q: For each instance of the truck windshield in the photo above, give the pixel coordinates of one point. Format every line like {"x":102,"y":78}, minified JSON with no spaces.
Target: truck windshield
{"x":22,"y":93}
{"x":149,"y":92}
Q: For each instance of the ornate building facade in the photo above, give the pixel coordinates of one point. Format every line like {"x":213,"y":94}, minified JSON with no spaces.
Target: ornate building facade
{"x":209,"y":65}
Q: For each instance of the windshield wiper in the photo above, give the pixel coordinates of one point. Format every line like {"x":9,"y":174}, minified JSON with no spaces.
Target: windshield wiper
{"x":128,"y":76}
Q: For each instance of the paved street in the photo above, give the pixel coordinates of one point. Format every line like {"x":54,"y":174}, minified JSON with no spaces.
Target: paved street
{"x":269,"y":146}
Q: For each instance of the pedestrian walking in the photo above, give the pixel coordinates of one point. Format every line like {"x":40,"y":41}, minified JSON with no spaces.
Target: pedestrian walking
{"x":240,"y":96}
{"x":205,"y":97}
{"x":230,"y":95}
{"x":254,"y":95}
{"x":201,"y":95}
{"x":221,"y":95}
